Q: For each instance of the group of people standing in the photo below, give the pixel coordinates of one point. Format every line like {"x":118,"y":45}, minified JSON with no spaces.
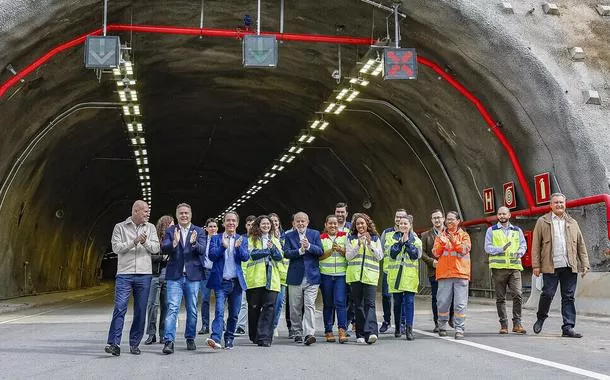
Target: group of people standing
{"x":271,"y":267}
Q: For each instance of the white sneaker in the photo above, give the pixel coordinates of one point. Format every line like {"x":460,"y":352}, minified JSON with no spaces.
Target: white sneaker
{"x":360,"y":340}
{"x":276,"y":333}
{"x":213,"y":344}
{"x":372,"y":339}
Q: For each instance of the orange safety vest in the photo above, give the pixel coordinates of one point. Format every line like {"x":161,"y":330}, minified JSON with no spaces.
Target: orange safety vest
{"x":452,"y":262}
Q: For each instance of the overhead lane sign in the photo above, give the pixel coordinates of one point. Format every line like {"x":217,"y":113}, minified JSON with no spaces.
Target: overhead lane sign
{"x":260,"y":51}
{"x":400,"y":64}
{"x":102,"y":52}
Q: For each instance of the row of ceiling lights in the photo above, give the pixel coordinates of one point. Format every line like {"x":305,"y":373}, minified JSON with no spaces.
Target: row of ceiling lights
{"x":334,"y":106}
{"x":132,"y":114}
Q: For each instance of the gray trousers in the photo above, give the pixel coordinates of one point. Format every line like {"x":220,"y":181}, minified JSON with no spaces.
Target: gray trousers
{"x":242,"y":318}
{"x":510,"y":278}
{"x":456,"y":289}
{"x":303,"y":297}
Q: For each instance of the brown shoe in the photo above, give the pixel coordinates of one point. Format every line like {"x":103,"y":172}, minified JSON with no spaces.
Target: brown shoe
{"x":503,"y":330}
{"x":330,"y":337}
{"x":343,"y":338}
{"x":519,"y":329}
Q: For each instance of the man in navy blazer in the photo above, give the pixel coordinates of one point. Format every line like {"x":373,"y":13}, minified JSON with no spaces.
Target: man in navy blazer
{"x":184,"y":244}
{"x":303,"y":247}
{"x":227,"y":251}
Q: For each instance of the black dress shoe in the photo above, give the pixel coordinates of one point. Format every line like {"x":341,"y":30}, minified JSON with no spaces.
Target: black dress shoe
{"x":204,"y":330}
{"x":264,"y":344}
{"x":309,"y":340}
{"x":113,"y":349}
{"x":298,"y":339}
{"x":135,"y":350}
{"x":570,"y":333}
{"x":151,"y":339}
{"x":240,"y":331}
{"x":168,"y":348}
{"x":190,"y":345}
{"x":162,"y":341}
{"x":538,"y":326}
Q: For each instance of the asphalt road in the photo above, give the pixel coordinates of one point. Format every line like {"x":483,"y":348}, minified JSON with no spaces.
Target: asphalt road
{"x":66,"y":341}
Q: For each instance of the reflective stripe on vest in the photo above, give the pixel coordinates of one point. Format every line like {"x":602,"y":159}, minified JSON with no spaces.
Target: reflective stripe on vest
{"x":506,"y":260}
{"x":256,"y":270}
{"x":364,"y":267}
{"x":335,"y":264}
{"x":403,"y":273}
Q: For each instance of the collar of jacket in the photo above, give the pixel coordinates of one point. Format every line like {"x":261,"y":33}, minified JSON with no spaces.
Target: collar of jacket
{"x":548,"y":218}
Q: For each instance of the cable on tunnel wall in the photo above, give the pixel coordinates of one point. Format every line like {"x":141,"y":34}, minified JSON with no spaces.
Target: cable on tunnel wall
{"x":6,"y":185}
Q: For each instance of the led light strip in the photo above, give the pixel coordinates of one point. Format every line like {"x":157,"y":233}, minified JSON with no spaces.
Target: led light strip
{"x":335,"y":106}
{"x":132,"y":114}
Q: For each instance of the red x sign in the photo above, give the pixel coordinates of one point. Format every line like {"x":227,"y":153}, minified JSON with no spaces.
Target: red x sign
{"x":400,"y":64}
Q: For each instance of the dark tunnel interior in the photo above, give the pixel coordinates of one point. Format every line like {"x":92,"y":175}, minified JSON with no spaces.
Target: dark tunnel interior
{"x":213,"y":127}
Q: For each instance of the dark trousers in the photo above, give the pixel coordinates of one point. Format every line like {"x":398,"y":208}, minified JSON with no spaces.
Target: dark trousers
{"x":261,"y":308}
{"x":510,"y":278}
{"x":386,"y":299}
{"x":567,"y":285}
{"x":404,"y":309}
{"x":351,"y":309}
{"x":434,"y":288}
{"x":156,"y":301}
{"x":364,"y":302}
{"x":124,"y":285}
{"x":287,"y":310}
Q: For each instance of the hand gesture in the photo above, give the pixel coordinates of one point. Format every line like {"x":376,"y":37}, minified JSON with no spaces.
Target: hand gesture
{"x":238,"y":242}
{"x":404,"y":237}
{"x":444,"y":239}
{"x":434,"y":263}
{"x":269,"y":244}
{"x":176,"y":237}
{"x":536,"y":272}
{"x":225,"y":241}
{"x":465,"y":249}
{"x":506,"y":246}
{"x":193,"y":237}
{"x":305,"y":244}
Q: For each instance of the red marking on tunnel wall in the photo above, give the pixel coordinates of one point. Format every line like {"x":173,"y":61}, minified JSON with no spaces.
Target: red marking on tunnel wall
{"x":532,"y":210}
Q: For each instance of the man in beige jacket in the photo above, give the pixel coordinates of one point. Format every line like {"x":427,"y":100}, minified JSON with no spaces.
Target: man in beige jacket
{"x":559,"y":253}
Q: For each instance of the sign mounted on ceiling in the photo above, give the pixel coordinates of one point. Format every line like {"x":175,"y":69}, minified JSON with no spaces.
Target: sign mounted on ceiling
{"x":489,"y":205}
{"x":259,"y":51}
{"x":543,"y":188}
{"x":400,"y":64}
{"x":102,"y":52}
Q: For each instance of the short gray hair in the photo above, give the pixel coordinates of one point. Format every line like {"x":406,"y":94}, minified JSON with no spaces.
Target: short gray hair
{"x":558,"y":195}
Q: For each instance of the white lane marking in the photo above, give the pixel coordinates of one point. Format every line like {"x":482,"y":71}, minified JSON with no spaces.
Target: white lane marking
{"x":53,"y":309}
{"x":548,"y":363}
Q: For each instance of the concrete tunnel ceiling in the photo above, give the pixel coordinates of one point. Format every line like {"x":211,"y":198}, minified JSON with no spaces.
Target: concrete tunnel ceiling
{"x":212,"y":126}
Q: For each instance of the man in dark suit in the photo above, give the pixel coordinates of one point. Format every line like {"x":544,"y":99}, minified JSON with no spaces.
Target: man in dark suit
{"x":303,"y":247}
{"x":184,"y":244}
{"x":227,"y":251}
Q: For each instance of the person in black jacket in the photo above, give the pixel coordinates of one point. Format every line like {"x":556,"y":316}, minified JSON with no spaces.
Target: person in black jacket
{"x":156,"y":297}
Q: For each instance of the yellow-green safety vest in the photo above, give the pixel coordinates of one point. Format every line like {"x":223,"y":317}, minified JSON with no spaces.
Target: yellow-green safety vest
{"x":507,"y":260}
{"x":364,"y":267}
{"x":409,"y":278}
{"x":255,"y":271}
{"x":387,"y":243}
{"x":335,"y":264}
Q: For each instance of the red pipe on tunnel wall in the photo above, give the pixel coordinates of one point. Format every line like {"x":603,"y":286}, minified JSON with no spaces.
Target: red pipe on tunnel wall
{"x":585,"y":201}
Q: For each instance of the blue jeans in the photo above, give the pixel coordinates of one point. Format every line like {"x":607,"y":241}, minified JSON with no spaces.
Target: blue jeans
{"x":124,"y":285}
{"x":404,"y":309}
{"x":334,"y":297}
{"x":567,"y":283}
{"x":230,"y":292}
{"x":279,"y":302}
{"x":205,"y":300}
{"x":175,"y":290}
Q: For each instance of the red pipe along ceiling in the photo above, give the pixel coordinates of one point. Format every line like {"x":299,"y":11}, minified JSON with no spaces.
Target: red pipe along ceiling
{"x":315,"y":38}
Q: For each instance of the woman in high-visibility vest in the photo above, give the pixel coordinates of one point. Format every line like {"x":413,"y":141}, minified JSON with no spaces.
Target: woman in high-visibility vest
{"x":403,"y":274}
{"x":263,"y":280}
{"x":363,"y":253}
{"x":333,"y":266}
{"x":452,"y":250}
{"x":278,"y":232}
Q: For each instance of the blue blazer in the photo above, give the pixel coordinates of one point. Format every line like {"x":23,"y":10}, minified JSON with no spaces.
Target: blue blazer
{"x":303,"y":265}
{"x":188,"y":257}
{"x":217,"y":256}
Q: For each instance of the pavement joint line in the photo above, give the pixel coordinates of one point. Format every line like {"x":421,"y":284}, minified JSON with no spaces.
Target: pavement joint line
{"x":548,"y":363}
{"x":53,"y":309}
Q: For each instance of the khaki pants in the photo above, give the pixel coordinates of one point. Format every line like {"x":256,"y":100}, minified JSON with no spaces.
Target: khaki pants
{"x":302,"y":308}
{"x":511,"y":279}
